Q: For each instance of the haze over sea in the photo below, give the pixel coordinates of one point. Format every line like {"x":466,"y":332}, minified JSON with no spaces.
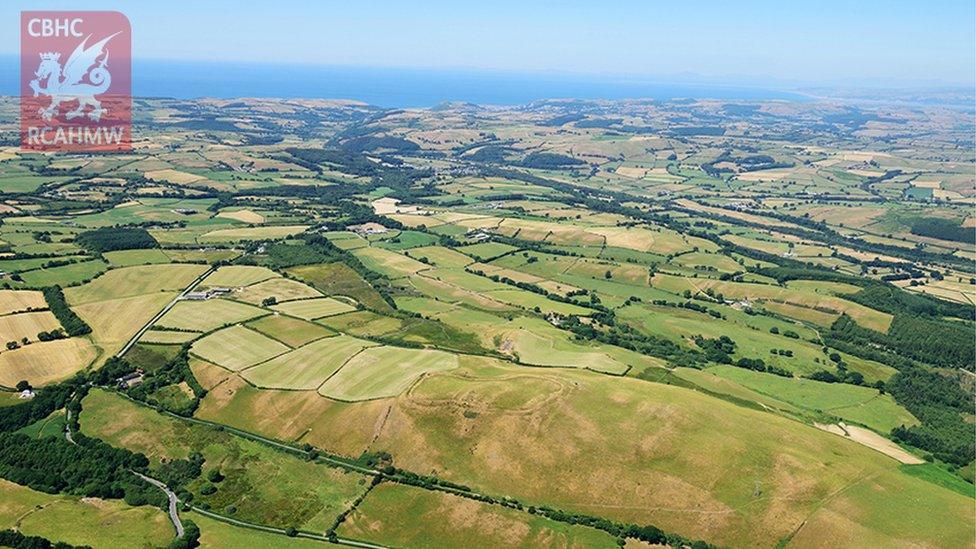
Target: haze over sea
{"x":393,"y":87}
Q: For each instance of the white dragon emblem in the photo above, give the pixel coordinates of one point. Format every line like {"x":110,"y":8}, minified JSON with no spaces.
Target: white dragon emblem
{"x":65,"y":83}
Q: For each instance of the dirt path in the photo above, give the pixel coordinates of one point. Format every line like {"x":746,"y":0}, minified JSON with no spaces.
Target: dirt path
{"x":872,"y":440}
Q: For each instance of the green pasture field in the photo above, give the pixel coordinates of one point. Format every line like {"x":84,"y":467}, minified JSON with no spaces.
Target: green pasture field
{"x":340,"y":279}
{"x":65,"y":275}
{"x":291,"y":331}
{"x":215,"y":533}
{"x":126,"y":258}
{"x":388,"y":263}
{"x":167,"y":336}
{"x":93,"y":522}
{"x":863,"y":405}
{"x":265,"y":485}
{"x":440,"y":256}
{"x":406,"y":240}
{"x":382,"y":372}
{"x":237,"y":347}
{"x":486,"y":251}
{"x":306,"y":367}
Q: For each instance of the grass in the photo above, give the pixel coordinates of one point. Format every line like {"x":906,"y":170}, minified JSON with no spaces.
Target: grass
{"x":444,"y":520}
{"x":658,"y":464}
{"x":384,"y":372}
{"x":237,"y":347}
{"x":82,"y":521}
{"x":388,"y":263}
{"x":307,"y":367}
{"x":151,"y":357}
{"x":214,"y":533}
{"x":486,"y":251}
{"x":310,"y":309}
{"x":282,"y":289}
{"x":939,"y":476}
{"x":46,"y":362}
{"x":291,"y":331}
{"x":862,"y":405}
{"x":238,"y":275}
{"x":206,"y":315}
{"x":17,"y":326}
{"x":264,"y":485}
{"x":126,"y":258}
{"x":441,"y":257}
{"x":340,"y":279}
{"x":64,"y":275}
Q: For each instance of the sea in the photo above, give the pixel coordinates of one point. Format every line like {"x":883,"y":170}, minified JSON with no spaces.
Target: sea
{"x":395,"y":87}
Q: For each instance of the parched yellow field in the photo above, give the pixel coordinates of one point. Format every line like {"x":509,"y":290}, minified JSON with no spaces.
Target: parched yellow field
{"x":237,"y":347}
{"x":46,"y":362}
{"x":251,"y":233}
{"x":21,"y":325}
{"x":238,"y":275}
{"x":310,"y":309}
{"x":382,"y":372}
{"x":167,"y":337}
{"x":246,"y":216}
{"x":174,"y":176}
{"x":307,"y":367}
{"x":203,"y":316}
{"x":282,"y":289}
{"x":115,"y":321}
{"x":130,"y":281}
{"x":12,"y":301}
{"x":445,"y":520}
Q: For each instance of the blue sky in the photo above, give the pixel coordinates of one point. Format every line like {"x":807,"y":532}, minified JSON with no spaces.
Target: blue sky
{"x":862,"y":42}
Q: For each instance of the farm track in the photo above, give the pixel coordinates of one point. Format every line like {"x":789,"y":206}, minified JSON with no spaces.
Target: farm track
{"x":165,"y":310}
{"x":174,"y":515}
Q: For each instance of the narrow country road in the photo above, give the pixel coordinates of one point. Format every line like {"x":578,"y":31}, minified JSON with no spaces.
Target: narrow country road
{"x":165,"y":310}
{"x":173,"y":515}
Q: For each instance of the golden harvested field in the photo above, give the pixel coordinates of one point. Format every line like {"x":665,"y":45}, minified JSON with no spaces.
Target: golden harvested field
{"x":115,"y":321}
{"x":238,"y":275}
{"x":237,"y":347}
{"x":203,"y":316}
{"x":310,"y":309}
{"x":174,"y":176}
{"x":12,"y":301}
{"x":131,"y":281}
{"x":251,"y":233}
{"x":282,"y":289}
{"x":17,"y":326}
{"x":46,"y":362}
{"x":246,"y":216}
{"x":168,"y":337}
